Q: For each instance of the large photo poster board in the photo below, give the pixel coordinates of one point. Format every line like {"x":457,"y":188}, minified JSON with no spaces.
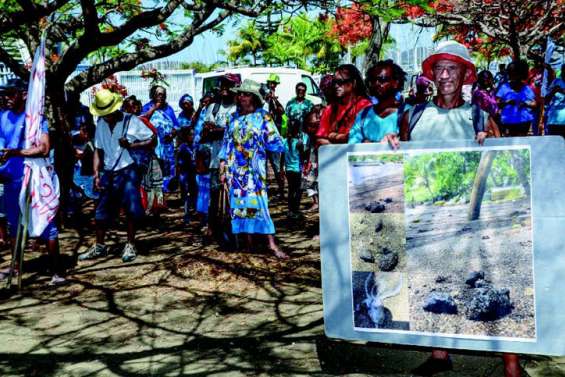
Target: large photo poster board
{"x":439,"y":246}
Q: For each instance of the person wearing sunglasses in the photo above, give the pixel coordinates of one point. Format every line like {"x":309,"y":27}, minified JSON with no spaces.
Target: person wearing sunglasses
{"x":351,"y":97}
{"x":384,"y":80}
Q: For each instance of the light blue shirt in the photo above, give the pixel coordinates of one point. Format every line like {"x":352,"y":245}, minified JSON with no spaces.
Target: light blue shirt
{"x":556,"y":108}
{"x":292,"y":159}
{"x":368,"y":126}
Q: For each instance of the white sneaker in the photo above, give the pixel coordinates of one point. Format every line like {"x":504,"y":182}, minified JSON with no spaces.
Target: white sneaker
{"x":94,"y":251}
{"x":129,"y":253}
{"x":57,"y":280}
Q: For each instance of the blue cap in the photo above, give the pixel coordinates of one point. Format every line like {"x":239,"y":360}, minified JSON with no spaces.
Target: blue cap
{"x":184,"y":98}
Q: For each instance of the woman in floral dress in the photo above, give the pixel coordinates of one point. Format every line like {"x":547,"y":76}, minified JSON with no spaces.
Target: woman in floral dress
{"x":251,"y":133}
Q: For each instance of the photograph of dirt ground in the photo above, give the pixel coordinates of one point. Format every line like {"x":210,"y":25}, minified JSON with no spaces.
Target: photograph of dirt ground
{"x":469,"y":243}
{"x":378,"y":257}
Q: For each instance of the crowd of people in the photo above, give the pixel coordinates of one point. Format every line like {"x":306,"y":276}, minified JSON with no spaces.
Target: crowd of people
{"x":218,"y":154}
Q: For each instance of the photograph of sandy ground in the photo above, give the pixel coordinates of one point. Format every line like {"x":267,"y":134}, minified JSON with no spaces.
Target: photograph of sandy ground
{"x":473,"y":277}
{"x":378,"y":239}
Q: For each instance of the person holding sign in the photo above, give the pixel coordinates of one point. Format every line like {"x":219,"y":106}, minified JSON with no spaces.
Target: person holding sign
{"x":351,"y":97}
{"x":384,"y":80}
{"x":448,"y":117}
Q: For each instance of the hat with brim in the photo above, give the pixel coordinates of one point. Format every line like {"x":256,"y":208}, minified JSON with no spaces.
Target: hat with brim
{"x":14,"y":84}
{"x":455,"y":52}
{"x":105,"y":102}
{"x":250,"y":86}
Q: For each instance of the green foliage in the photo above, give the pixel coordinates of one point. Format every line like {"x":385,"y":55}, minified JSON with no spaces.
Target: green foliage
{"x":300,"y":41}
{"x":200,"y":67}
{"x":377,"y":158}
{"x":443,"y":176}
{"x":250,"y":42}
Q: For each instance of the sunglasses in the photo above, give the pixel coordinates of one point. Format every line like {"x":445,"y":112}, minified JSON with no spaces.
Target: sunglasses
{"x":341,"y":82}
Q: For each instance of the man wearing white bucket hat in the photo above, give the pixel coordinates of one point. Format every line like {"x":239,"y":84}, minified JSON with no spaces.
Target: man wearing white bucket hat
{"x":448,"y":117}
{"x":115,"y":171}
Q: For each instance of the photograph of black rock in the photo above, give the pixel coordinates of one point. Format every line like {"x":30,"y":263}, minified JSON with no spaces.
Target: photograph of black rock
{"x":457,"y":226}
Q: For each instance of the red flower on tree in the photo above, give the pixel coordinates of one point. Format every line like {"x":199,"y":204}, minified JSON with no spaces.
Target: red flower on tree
{"x":352,"y":25}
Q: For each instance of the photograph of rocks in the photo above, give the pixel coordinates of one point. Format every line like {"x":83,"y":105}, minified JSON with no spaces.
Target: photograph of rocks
{"x":447,"y":238}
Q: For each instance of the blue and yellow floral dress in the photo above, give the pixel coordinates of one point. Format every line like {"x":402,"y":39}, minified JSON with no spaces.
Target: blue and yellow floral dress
{"x":246,"y":142}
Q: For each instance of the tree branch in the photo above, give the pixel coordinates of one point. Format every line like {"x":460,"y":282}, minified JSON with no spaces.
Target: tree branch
{"x":90,"y":16}
{"x":15,"y":66}
{"x":85,"y":45}
{"x":10,"y":21}
{"x":129,"y":61}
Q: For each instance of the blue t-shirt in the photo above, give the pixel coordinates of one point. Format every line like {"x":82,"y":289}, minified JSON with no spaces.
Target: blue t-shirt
{"x":184,"y":121}
{"x":12,"y":136}
{"x":372,"y":127}
{"x":517,"y":113}
{"x":185,"y":158}
{"x":292,"y":159}
{"x":556,"y":108}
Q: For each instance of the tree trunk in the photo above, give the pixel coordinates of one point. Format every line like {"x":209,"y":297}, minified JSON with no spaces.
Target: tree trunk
{"x":61,"y":142}
{"x":513,"y":35}
{"x":480,"y":184}
{"x":379,"y":36}
{"x":521,"y":165}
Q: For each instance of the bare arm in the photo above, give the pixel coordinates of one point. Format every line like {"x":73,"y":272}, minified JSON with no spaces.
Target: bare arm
{"x":40,"y":150}
{"x":405,"y":127}
{"x":96,"y":167}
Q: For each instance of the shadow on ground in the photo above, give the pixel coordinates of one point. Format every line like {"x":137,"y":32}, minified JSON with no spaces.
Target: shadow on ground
{"x":184,"y":307}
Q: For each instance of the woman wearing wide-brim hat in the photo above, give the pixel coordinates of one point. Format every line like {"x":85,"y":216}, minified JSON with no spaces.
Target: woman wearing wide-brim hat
{"x":250,"y":134}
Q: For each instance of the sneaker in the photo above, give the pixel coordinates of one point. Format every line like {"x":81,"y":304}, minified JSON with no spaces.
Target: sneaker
{"x":129,"y":253}
{"x":5,"y":273}
{"x":57,"y":280}
{"x":94,"y":251}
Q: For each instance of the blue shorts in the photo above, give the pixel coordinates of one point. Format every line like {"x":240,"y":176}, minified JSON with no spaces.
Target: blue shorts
{"x":120,"y":189}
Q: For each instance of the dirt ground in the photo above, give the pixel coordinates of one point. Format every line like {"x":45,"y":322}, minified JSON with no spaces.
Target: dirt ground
{"x":184,"y":307}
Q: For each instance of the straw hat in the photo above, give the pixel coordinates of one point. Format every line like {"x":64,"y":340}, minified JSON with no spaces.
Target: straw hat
{"x":105,"y":102}
{"x":250,"y":86}
{"x":454,"y":51}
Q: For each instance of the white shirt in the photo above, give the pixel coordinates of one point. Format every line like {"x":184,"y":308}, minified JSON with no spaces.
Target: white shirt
{"x":221,"y":119}
{"x":108,"y":140}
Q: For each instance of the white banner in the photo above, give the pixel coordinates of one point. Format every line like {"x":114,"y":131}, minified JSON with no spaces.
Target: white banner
{"x":40,"y":182}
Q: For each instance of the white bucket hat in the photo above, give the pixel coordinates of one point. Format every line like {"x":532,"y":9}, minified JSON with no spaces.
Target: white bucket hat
{"x":454,"y":51}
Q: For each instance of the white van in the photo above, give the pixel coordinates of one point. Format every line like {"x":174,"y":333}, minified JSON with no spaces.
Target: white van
{"x":286,"y":90}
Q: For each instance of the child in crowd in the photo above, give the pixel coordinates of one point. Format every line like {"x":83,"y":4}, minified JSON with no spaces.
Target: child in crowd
{"x":310,"y":171}
{"x":186,"y":171}
{"x":83,"y":177}
{"x":203,"y":185}
{"x":294,"y":156}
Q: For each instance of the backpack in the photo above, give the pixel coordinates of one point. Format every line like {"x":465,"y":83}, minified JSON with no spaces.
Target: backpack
{"x":476,"y":114}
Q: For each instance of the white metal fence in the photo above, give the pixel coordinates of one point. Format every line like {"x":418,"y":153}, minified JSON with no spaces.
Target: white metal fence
{"x":5,"y":74}
{"x":180,"y":82}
